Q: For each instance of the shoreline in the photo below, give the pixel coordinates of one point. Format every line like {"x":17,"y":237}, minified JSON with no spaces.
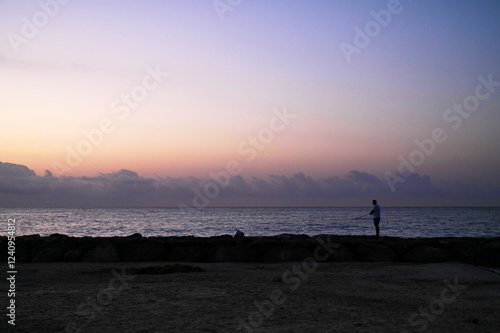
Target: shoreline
{"x":266,"y":249}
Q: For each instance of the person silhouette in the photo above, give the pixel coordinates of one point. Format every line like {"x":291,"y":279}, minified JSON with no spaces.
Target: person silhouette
{"x":376,"y":216}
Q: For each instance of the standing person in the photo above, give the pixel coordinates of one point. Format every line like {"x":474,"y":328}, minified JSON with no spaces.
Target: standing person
{"x":376,"y":215}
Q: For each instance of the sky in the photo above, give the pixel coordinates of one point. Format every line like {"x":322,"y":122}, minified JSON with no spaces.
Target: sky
{"x":249,"y":103}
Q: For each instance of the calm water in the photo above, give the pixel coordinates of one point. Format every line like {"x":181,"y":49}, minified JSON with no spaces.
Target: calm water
{"x":402,"y":222}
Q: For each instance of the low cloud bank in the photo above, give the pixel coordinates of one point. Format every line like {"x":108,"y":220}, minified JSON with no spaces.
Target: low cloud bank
{"x":21,"y":187}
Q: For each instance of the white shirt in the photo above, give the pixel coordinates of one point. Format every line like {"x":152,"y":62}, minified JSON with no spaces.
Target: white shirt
{"x":376,"y":211}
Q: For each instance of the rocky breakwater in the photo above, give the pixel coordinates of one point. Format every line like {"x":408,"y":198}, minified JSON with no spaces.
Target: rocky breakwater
{"x":281,"y":248}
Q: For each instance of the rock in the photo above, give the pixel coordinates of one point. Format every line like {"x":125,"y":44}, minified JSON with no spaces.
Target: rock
{"x":463,"y":250}
{"x":333,"y":246}
{"x":258,"y":246}
{"x":292,"y":237}
{"x":282,"y":248}
{"x":189,"y":251}
{"x":493,"y":245}
{"x":168,"y":269}
{"x":375,"y":252}
{"x":309,"y":244}
{"x":4,"y":248}
{"x":78,"y":247}
{"x":475,"y":321}
{"x":29,"y":237}
{"x":49,"y":251}
{"x":58,"y":236}
{"x":233,"y":253}
{"x":277,"y":279}
{"x":136,"y":235}
{"x":263,"y":243}
{"x":426,"y":254}
{"x":142,"y":250}
{"x":73,"y":255}
{"x":489,"y":253}
{"x":286,"y":253}
{"x":104,"y":252}
{"x":223,"y":239}
{"x":23,"y":249}
{"x":340,"y":253}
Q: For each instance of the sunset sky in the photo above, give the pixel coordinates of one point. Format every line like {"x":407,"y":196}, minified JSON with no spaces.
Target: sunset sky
{"x":315,"y":102}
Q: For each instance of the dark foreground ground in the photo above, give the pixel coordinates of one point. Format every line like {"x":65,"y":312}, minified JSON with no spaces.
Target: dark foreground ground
{"x":254,"y":297}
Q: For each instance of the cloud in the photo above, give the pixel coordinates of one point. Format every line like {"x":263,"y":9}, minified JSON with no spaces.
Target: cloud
{"x":21,"y":187}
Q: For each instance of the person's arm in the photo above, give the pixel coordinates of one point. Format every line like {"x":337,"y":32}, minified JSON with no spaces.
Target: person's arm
{"x":372,"y":212}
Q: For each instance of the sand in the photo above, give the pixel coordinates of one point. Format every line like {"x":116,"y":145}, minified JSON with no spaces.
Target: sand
{"x":226,"y":297}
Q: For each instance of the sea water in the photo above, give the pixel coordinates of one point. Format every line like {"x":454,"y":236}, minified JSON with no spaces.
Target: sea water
{"x":395,"y":221}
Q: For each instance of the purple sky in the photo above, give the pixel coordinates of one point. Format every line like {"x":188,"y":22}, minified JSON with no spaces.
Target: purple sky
{"x":315,"y":103}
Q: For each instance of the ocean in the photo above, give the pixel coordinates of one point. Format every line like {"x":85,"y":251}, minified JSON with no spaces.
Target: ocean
{"x":395,"y":221}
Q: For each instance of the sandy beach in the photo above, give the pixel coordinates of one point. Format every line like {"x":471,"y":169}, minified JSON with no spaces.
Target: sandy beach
{"x":253,"y":297}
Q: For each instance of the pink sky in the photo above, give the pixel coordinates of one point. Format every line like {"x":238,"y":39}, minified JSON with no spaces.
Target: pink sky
{"x":167,"y":89}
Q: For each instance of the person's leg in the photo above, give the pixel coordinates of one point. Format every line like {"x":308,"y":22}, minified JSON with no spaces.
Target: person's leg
{"x":376,"y":222}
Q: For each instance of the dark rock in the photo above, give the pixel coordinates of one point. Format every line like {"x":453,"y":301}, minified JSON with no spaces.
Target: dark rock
{"x":59,"y":236}
{"x":233,"y":253}
{"x":29,"y":237}
{"x":104,"y":252}
{"x":73,"y":255}
{"x":57,"y":247}
{"x":375,"y":252}
{"x":292,"y":237}
{"x":463,"y":250}
{"x":189,"y":251}
{"x":475,"y":321}
{"x":424,"y":254}
{"x":223,"y":239}
{"x":489,"y":253}
{"x":264,"y":243}
{"x":260,"y":245}
{"x":286,"y":253}
{"x":24,"y":249}
{"x":309,"y":244}
{"x":50,"y":250}
{"x":493,"y":245}
{"x":339,"y":253}
{"x":3,"y":249}
{"x":142,"y":250}
{"x":136,"y":235}
{"x":78,"y":247}
{"x":168,"y":269}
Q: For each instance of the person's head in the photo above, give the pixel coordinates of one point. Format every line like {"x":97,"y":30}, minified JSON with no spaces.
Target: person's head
{"x":374,"y":202}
